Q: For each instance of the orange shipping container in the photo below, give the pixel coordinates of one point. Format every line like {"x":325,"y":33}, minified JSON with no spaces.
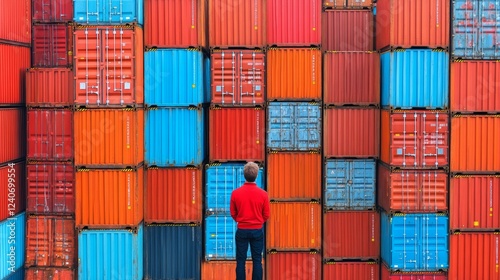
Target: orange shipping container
{"x":49,"y":87}
{"x":293,"y":74}
{"x":342,"y":4}
{"x":109,"y":198}
{"x":348,"y":30}
{"x":226,"y":270}
{"x":293,"y":265}
{"x":353,"y":270}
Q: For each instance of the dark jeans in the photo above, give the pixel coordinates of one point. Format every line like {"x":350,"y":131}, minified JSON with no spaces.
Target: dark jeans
{"x":254,"y":237}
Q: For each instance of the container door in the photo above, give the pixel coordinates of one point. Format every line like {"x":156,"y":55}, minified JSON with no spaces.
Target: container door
{"x":337,"y":177}
{"x":361,"y":184}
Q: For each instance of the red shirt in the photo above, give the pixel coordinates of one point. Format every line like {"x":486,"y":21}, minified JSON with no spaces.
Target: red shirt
{"x":249,"y":206}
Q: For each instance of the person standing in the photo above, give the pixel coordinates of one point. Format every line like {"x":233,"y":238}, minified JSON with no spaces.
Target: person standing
{"x":250,"y":209}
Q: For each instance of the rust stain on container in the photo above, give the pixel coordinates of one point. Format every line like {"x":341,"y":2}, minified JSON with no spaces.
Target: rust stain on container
{"x":217,"y":270}
{"x":293,"y":265}
{"x":12,"y":189}
{"x":352,"y":270}
{"x":16,"y":21}
{"x":53,"y":273}
{"x":15,"y":60}
{"x":52,"y":45}
{"x":348,"y":30}
{"x":13,"y":134}
{"x":49,"y":87}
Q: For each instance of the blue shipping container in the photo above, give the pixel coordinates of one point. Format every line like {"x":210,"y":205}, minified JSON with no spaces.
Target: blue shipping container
{"x":220,"y":182}
{"x":176,"y":77}
{"x":415,"y":242}
{"x":18,"y":275}
{"x":108,"y":12}
{"x":175,"y":137}
{"x":350,"y":184}
{"x":476,"y":32}
{"x":219,"y":238}
{"x":294,"y":126}
{"x":415,"y":78}
{"x":110,"y":254}
{"x":172,"y":251}
{"x":12,"y":248}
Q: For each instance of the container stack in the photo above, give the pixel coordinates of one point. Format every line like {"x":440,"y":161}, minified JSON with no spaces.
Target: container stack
{"x":475,"y":134}
{"x":413,"y":39}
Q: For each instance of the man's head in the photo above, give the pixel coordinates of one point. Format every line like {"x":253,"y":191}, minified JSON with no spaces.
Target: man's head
{"x":250,"y":171}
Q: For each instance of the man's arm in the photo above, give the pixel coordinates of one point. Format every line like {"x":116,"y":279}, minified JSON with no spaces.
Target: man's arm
{"x":232,"y":208}
{"x":266,"y":209}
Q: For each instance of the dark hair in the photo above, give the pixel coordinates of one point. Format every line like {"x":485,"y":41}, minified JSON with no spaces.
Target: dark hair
{"x":250,"y":171}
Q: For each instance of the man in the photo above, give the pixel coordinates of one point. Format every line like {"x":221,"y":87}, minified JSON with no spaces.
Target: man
{"x":250,"y":209}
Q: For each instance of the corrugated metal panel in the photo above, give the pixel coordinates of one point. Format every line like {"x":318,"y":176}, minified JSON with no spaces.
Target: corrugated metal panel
{"x":294,"y":126}
{"x":348,"y":30}
{"x":415,"y":242}
{"x":294,"y":74}
{"x":474,"y":139}
{"x":175,"y":24}
{"x":12,"y":248}
{"x":175,"y":136}
{"x":12,"y":189}
{"x":15,"y":24}
{"x":475,"y":203}
{"x":108,"y":12}
{"x":294,"y":176}
{"x":172,"y":251}
{"x":230,"y":140}
{"x":15,"y":60}
{"x":352,"y":270}
{"x":109,"y":198}
{"x":173,"y":195}
{"x":217,"y":270}
{"x":52,"y":45}
{"x":352,"y":132}
{"x":52,"y":11}
{"x":18,"y":275}
{"x":13,"y":134}
{"x":386,"y":274}
{"x":293,"y":265}
{"x":110,"y":254}
{"x":219,"y":238}
{"x":50,"y":241}
{"x":351,"y":235}
{"x":110,"y":77}
{"x":351,"y":78}
{"x":55,"y":273}
{"x":350,"y":184}
{"x":175,"y":77}
{"x":412,"y":190}
{"x":220,"y":181}
{"x":416,"y":78}
{"x":237,"y":23}
{"x":49,"y":87}
{"x":237,"y":77}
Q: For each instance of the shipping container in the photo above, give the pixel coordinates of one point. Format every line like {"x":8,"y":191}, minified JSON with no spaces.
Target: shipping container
{"x":108,"y":65}
{"x":175,"y":136}
{"x":12,"y":189}
{"x":15,"y":60}
{"x":50,"y":134}
{"x":475,"y":29}
{"x":52,"y":273}
{"x":475,"y":86}
{"x":351,"y":235}
{"x":350,"y":184}
{"x":15,"y":23}
{"x":173,"y":195}
{"x":109,"y":12}
{"x":414,"y":138}
{"x":237,"y":77}
{"x":49,"y":87}
{"x":52,"y":45}
{"x":351,"y":270}
{"x":50,"y":241}
{"x":12,"y":244}
{"x":293,"y":23}
{"x":352,"y":132}
{"x":172,"y":251}
{"x":415,"y":78}
{"x":175,"y":24}
{"x":52,"y":10}
{"x":111,"y":138}
{"x":220,"y":181}
{"x":13,"y":134}
{"x":474,"y":256}
{"x":414,"y":242}
{"x":236,"y":134}
{"x":237,"y":23}
{"x":474,"y":143}
{"x":110,"y":254}
{"x":17,"y":275}
{"x":411,"y":191}
{"x":402,"y":275}
{"x":351,"y":78}
{"x":294,"y":74}
{"x":294,"y":126}
{"x":109,"y":198}
{"x":342,"y":4}
{"x":219,"y":242}
{"x":50,"y":188}
{"x":217,"y":270}
{"x":293,"y":265}
{"x":293,"y":176}
{"x":475,"y":203}
{"x":348,"y":30}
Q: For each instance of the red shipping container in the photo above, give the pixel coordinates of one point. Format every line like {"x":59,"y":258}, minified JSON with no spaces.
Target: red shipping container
{"x":218,"y":270}
{"x":351,"y":235}
{"x":50,"y":241}
{"x":414,"y":138}
{"x":351,"y":270}
{"x":237,"y":77}
{"x":475,"y":203}
{"x":52,"y":45}
{"x":49,"y":87}
{"x":15,"y":60}
{"x":348,"y":30}
{"x":12,"y":189}
{"x":237,"y":23}
{"x":50,"y":134}
{"x":293,"y":266}
{"x":237,"y":134}
{"x":12,"y":134}
{"x":389,"y":275}
{"x":52,"y":273}
{"x":50,"y":188}
{"x":342,"y":4}
{"x":405,"y":24}
{"x":474,"y":256}
{"x":351,"y":132}
{"x":15,"y":22}
{"x":52,"y":10}
{"x":293,"y":22}
{"x":411,"y":191}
